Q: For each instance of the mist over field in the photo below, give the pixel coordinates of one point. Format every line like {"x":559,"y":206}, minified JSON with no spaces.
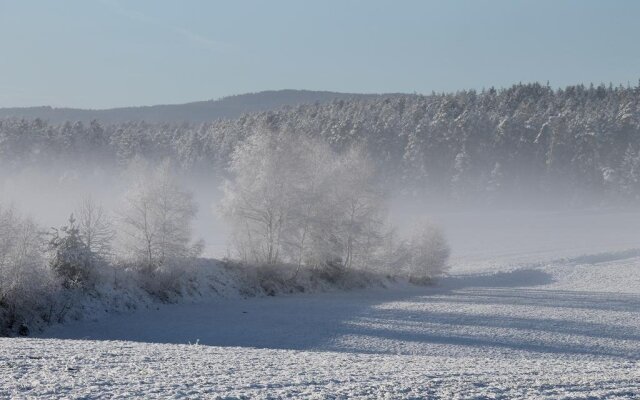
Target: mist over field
{"x":495,"y":156}
{"x":50,"y":196}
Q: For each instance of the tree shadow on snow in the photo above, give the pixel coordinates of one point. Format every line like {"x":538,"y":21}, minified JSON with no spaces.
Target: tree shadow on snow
{"x":385,"y":320}
{"x":545,"y":335}
{"x":516,"y":278}
{"x":604,"y":301}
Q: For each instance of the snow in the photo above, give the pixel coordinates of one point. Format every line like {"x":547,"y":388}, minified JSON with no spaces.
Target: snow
{"x":562,"y":324}
{"x":123,"y":370}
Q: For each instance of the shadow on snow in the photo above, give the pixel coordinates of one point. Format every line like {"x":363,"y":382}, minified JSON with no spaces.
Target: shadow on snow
{"x":319,"y":322}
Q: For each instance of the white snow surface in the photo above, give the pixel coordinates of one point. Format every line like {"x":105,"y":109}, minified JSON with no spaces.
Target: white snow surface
{"x":557,"y":325}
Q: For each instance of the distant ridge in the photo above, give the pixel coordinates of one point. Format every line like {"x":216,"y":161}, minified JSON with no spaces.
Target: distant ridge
{"x":201,"y":111}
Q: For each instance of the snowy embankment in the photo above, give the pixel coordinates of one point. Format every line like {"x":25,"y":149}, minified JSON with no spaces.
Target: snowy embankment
{"x":563,"y":329}
{"x":202,"y":281}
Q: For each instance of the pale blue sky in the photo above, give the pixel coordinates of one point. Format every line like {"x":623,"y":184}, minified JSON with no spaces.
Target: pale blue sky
{"x":106,"y":53}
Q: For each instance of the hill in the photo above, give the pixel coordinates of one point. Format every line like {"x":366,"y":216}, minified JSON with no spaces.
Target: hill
{"x":195,"y":112}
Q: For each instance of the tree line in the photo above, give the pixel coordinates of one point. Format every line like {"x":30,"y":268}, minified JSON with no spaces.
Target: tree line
{"x":146,"y":242}
{"x":290,"y":199}
{"x":580,"y":143}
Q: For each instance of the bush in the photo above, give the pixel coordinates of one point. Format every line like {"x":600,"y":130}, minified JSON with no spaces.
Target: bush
{"x":165,"y":282}
{"x":71,"y":259}
{"x":424,"y":255}
{"x":26,"y":283}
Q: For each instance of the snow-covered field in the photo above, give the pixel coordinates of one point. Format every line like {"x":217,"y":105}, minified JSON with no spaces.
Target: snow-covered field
{"x":559,"y":325}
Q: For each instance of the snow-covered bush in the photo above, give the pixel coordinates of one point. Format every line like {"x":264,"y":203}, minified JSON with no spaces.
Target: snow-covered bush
{"x":70,"y":257}
{"x":156,"y":226}
{"x":26,"y":282}
{"x":424,"y":255}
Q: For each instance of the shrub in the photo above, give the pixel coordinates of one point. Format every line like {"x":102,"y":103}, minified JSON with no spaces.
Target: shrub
{"x":26,"y":284}
{"x":424,"y":255}
{"x":71,"y":259}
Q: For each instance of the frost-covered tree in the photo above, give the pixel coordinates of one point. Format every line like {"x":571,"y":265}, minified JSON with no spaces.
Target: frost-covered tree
{"x":25,"y":279}
{"x":292,"y":199}
{"x":260,"y":198}
{"x":71,"y":258}
{"x":312,"y":215}
{"x":156,"y":220}
{"x":424,"y":255}
{"x":359,"y":203}
{"x":95,"y":228}
{"x":276,"y":194}
{"x":21,"y":251}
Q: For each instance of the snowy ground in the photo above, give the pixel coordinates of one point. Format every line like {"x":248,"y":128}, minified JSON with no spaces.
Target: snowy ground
{"x":536,"y":325}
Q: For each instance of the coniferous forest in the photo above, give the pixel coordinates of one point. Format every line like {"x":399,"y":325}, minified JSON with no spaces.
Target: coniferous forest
{"x":580,"y":142}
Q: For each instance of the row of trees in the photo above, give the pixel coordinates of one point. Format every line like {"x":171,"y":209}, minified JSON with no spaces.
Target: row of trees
{"x":292,"y":199}
{"x":152,"y":231}
{"x":149,"y":238}
{"x":527,"y":139}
